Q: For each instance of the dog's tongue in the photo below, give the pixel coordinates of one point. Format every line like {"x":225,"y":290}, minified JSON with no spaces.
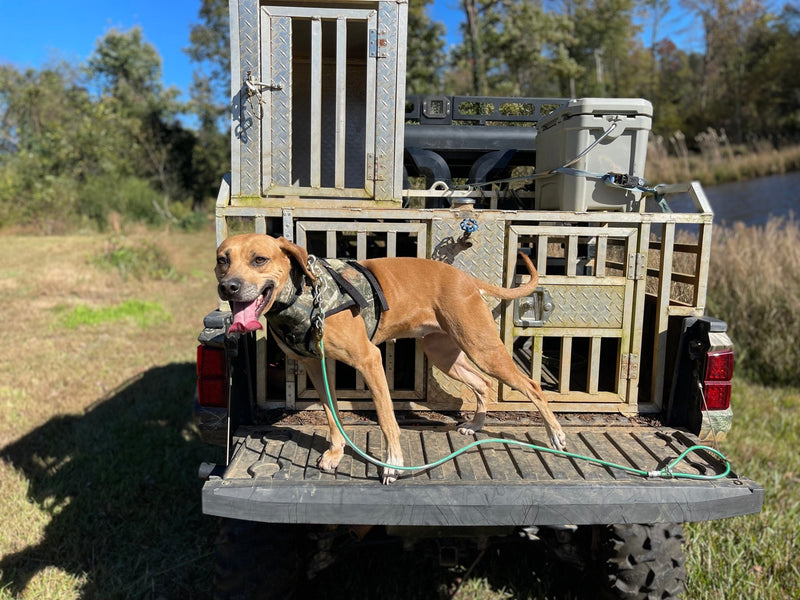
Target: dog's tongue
{"x":245,"y":317}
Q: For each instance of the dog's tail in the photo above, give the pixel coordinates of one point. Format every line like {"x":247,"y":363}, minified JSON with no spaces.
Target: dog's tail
{"x":526,"y":289}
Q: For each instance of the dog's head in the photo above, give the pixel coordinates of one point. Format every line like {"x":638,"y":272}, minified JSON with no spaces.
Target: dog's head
{"x":251,"y":270}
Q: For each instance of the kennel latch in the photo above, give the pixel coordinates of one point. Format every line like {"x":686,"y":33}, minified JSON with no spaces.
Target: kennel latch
{"x":533,"y":310}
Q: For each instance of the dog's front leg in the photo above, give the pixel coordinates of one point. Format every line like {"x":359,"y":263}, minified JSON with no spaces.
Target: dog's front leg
{"x":333,"y":455}
{"x":371,"y":368}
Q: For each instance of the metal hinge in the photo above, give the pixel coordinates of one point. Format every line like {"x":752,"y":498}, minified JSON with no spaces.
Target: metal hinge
{"x":630,"y":366}
{"x":376,"y":168}
{"x":637,"y":265}
{"x":378,"y":44}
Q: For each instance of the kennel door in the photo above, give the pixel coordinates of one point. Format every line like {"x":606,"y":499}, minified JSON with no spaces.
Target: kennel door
{"x":575,"y":335}
{"x":331,"y":84}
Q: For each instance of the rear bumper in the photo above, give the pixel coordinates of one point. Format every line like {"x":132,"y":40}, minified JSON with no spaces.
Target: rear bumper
{"x":272,"y":477}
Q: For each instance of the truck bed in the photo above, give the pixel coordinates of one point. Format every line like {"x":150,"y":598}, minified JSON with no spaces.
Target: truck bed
{"x":272,"y":475}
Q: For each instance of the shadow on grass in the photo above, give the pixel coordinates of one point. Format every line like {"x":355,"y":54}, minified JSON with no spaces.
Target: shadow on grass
{"x":120,"y":483}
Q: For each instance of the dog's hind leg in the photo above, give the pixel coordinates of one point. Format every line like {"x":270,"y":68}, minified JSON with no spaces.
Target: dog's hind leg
{"x":445,"y":354}
{"x":483,"y":346}
{"x":495,"y":361}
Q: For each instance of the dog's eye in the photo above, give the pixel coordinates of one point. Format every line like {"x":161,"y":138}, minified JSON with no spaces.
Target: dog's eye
{"x":222,"y":260}
{"x":260,"y":261}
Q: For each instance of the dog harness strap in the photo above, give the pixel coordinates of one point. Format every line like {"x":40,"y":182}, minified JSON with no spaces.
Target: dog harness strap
{"x":373,"y":281}
{"x":346,"y":287}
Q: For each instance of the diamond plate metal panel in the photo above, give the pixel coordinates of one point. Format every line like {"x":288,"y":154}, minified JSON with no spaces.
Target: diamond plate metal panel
{"x":586,"y":306}
{"x":281,"y":113}
{"x":249,"y":128}
{"x":386,"y":101}
{"x":481,"y":255}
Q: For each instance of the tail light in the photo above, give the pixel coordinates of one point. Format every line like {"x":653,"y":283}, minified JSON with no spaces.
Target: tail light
{"x":212,"y":381}
{"x":717,"y":381}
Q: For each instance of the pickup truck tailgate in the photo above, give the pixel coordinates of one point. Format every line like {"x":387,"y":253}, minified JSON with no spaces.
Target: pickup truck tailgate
{"x":273,"y":476}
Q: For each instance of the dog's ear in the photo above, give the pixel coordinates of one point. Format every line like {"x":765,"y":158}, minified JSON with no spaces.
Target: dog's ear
{"x":298,"y":254}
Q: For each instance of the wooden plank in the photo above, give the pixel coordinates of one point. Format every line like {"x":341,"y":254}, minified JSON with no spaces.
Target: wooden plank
{"x":703,"y":265}
{"x":572,"y":255}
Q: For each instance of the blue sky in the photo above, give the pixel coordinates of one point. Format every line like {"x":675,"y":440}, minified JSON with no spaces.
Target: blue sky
{"x":33,"y":32}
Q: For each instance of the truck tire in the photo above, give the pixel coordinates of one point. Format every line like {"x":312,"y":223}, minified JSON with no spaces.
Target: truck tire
{"x":644,"y":561}
{"x":256,"y":561}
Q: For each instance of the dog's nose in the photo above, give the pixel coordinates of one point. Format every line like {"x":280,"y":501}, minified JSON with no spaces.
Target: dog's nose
{"x":228,"y":289}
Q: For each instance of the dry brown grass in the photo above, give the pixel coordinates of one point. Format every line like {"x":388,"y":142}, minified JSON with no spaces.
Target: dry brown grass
{"x":754,"y":285}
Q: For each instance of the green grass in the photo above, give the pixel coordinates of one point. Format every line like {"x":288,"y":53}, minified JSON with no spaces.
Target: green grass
{"x":755,"y":557}
{"x":141,"y":312}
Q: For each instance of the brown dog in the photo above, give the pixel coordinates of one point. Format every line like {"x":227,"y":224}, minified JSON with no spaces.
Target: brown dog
{"x":426,"y":299}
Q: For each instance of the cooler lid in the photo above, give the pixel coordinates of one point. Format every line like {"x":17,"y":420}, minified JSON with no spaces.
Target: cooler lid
{"x":631,"y":107}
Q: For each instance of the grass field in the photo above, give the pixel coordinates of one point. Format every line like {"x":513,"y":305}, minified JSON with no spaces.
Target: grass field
{"x":98,"y":487}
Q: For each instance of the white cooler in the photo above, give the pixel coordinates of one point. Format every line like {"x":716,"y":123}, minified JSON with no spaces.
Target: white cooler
{"x":568,"y":131}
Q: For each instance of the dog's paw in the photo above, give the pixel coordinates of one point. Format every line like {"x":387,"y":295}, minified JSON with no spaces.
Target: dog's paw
{"x":558,"y":440}
{"x":467,"y":429}
{"x":330,"y":460}
{"x":389,"y":476}
{"x":474,"y":426}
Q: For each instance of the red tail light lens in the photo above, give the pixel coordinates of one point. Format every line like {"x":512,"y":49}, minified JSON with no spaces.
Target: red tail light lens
{"x":718,"y":395}
{"x":717,"y":384}
{"x":719,"y":366}
{"x":212,"y":389}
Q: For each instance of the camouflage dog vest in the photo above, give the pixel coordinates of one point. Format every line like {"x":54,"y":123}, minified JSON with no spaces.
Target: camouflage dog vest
{"x":343,"y":285}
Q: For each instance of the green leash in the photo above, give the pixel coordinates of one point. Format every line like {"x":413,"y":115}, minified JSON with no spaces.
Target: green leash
{"x":665,"y":473}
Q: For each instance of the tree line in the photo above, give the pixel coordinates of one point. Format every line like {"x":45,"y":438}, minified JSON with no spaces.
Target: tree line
{"x":79,"y":143}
